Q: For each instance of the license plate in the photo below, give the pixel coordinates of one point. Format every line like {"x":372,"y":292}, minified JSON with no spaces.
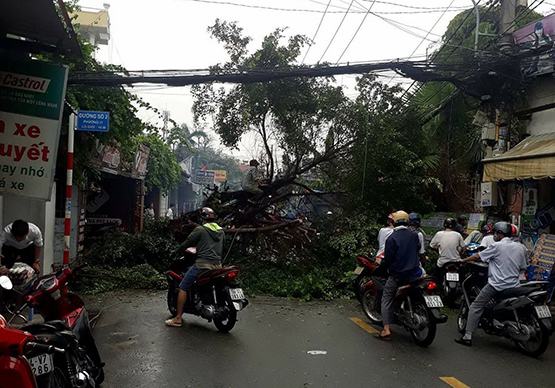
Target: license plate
{"x":236,"y":294}
{"x":41,"y":364}
{"x":433,"y":301}
{"x":543,"y":312}
{"x":358,"y":270}
{"x":452,"y":276}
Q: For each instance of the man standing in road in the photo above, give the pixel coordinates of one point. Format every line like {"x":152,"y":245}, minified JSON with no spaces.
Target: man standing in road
{"x":402,"y":263}
{"x":21,"y":241}
{"x":208,"y":240}
{"x":506,"y":259}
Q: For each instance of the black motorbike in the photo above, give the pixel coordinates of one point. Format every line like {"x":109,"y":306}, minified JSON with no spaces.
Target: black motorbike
{"x":519,"y":314}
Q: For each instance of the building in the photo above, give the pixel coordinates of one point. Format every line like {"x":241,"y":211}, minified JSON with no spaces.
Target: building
{"x":94,"y":24}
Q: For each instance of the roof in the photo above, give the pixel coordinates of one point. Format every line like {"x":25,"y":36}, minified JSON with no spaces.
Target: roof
{"x":98,"y":18}
{"x":44,"y":26}
{"x":532,"y":158}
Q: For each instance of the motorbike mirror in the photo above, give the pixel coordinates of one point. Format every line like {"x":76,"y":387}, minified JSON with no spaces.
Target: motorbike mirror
{"x":6,"y":283}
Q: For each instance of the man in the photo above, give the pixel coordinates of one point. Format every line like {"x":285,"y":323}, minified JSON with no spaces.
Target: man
{"x":506,"y":259}
{"x":21,"y":241}
{"x":169,"y":212}
{"x":208,"y":240}
{"x":449,"y":243}
{"x":488,"y":238}
{"x":149,"y":211}
{"x":251,"y":179}
{"x":462,"y":223}
{"x":402,"y":262}
{"x":414,"y":224}
{"x":383,"y":234}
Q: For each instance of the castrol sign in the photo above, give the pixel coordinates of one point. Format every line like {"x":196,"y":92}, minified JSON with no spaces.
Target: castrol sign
{"x":31,"y":104}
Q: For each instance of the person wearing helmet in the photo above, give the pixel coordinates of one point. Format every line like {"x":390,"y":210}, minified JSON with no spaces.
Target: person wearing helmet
{"x":402,"y":263}
{"x":506,"y":259}
{"x":449,"y":243}
{"x":208,"y":240}
{"x":383,"y":234}
{"x":21,"y":241}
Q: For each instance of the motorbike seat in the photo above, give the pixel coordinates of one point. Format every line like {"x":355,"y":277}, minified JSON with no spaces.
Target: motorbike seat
{"x":513,"y":293}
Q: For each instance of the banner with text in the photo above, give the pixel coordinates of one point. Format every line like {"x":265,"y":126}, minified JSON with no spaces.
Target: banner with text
{"x":31,"y":104}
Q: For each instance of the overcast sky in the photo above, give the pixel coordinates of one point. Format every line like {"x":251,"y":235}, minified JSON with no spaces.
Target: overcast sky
{"x":172,"y":34}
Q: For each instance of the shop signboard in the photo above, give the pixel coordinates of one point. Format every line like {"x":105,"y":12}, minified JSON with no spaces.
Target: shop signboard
{"x":536,"y":38}
{"x":204,"y":177}
{"x":31,"y":104}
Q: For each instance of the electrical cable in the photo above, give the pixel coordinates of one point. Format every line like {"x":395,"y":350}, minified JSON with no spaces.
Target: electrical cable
{"x":316,"y":32}
{"x":356,"y":32}
{"x":336,"y":31}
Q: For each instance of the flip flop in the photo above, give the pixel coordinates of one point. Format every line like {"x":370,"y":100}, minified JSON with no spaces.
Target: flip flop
{"x":383,"y":337}
{"x":172,"y":323}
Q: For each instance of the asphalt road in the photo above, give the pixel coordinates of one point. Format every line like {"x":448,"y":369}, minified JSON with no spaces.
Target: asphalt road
{"x":284,"y":343}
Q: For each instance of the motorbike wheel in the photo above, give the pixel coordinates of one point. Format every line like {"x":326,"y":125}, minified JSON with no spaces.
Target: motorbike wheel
{"x":462,"y":318}
{"x":536,"y":346}
{"x":224,"y":325}
{"x":369,"y":301}
{"x":357,"y":285}
{"x":172,"y":301}
{"x":425,"y":336}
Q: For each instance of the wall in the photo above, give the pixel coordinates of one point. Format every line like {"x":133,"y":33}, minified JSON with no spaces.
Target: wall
{"x":541,"y":93}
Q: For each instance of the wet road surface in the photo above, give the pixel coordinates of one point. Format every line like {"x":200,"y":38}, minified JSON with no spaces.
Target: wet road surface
{"x":284,"y":343}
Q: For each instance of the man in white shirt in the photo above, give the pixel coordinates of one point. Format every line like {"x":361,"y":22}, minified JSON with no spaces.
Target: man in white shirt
{"x":21,"y":241}
{"x":506,"y":259}
{"x":383,"y":234}
{"x":449,"y":242}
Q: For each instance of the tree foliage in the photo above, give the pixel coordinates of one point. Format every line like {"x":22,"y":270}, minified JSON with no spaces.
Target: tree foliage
{"x":163,"y":170}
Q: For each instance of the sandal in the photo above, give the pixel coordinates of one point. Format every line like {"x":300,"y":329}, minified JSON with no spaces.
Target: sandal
{"x":172,"y":323}
{"x":383,"y":337}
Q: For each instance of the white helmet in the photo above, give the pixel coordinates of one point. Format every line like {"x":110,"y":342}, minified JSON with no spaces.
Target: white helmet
{"x":22,"y":276}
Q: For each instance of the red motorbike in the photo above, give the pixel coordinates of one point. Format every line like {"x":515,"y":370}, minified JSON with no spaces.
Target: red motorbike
{"x":365,"y":267}
{"x":214,"y":296}
{"x":67,"y":327}
{"x":416,"y":306}
{"x":21,"y":355}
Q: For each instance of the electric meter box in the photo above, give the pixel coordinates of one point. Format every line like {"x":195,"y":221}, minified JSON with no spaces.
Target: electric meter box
{"x":488,"y":192}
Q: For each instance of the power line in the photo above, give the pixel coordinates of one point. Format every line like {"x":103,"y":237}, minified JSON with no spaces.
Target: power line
{"x":336,"y":31}
{"x":269,"y":8}
{"x":356,"y":32}
{"x":316,"y":32}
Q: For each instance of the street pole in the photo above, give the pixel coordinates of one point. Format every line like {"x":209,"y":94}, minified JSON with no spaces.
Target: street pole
{"x":477,"y":30}
{"x":507,"y":24}
{"x":69,"y":188}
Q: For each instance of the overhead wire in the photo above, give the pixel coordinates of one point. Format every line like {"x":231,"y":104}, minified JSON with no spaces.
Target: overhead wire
{"x":336,"y":31}
{"x":316,"y":32}
{"x":356,"y":32}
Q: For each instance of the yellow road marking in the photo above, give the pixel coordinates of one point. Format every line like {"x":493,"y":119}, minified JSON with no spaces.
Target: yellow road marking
{"x":364,"y":326}
{"x":453,"y":382}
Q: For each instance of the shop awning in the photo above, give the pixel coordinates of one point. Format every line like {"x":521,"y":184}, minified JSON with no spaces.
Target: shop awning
{"x":532,"y":158}
{"x":37,"y":26}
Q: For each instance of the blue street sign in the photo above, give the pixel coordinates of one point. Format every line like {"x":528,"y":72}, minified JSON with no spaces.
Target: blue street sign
{"x":93,"y":121}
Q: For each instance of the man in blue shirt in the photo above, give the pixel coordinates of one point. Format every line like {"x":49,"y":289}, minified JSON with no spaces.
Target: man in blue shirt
{"x":506,"y":259}
{"x":402,"y":262}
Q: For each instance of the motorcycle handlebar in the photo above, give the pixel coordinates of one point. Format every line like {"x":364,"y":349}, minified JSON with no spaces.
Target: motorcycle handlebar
{"x":35,"y":346}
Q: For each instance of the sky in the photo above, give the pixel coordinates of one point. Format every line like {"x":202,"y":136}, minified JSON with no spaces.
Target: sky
{"x":172,"y":34}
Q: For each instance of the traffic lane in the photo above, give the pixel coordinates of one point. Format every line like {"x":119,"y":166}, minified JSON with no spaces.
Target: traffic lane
{"x":269,"y":348}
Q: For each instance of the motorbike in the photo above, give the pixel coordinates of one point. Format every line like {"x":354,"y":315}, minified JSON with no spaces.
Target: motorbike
{"x":66,"y":326}
{"x":519,"y":314}
{"x":23,"y":359}
{"x":362,"y":271}
{"x":453,"y":273}
{"x":214,"y":296}
{"x":416,"y":306}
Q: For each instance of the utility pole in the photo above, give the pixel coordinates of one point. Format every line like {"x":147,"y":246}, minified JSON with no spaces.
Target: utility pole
{"x":507,"y":24}
{"x":506,"y":28}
